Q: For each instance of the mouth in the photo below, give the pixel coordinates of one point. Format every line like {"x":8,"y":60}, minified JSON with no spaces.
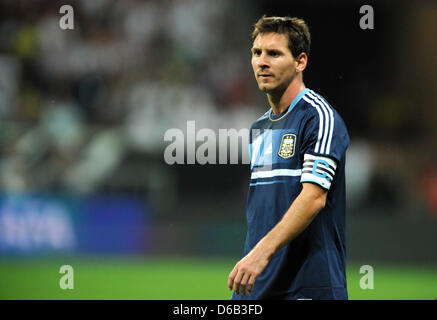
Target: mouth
{"x":265,"y":76}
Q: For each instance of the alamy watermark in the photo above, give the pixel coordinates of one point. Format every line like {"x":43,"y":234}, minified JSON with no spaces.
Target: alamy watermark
{"x":367,"y":20}
{"x":366,"y":281}
{"x":67,"y":280}
{"x":205,"y":146}
{"x":66,"y":22}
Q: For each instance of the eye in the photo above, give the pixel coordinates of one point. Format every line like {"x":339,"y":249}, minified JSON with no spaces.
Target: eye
{"x":256,"y":52}
{"x":274,"y":53}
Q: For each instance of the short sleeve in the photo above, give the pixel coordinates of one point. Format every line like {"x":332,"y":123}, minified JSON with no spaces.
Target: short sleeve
{"x":324,"y":144}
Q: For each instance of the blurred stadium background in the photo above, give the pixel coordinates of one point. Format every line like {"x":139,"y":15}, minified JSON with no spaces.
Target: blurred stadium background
{"x":83,"y":113}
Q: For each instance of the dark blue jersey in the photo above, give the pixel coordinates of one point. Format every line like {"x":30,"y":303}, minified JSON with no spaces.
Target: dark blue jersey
{"x":305,"y":143}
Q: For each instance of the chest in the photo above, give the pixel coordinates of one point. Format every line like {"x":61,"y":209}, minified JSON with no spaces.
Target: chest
{"x":276,"y":144}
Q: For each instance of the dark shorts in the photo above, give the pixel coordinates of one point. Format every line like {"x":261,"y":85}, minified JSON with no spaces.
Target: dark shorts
{"x":326,"y":293}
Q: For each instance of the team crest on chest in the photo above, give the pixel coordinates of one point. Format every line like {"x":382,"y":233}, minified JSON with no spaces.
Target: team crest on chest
{"x":286,"y":149}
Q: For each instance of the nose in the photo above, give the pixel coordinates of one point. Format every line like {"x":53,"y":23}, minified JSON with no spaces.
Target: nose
{"x":262,"y":61}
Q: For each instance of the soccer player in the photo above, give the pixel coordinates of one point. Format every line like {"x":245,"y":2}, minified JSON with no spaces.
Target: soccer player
{"x":295,"y":243}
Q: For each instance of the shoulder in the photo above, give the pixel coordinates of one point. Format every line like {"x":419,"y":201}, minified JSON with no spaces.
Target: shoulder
{"x":323,"y":127}
{"x":316,"y":104}
{"x":318,"y":109}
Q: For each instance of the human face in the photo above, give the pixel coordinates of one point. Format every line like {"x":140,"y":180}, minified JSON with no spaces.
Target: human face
{"x":273,"y":63}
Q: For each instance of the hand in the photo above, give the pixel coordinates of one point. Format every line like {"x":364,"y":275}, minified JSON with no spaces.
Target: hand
{"x":246,"y":271}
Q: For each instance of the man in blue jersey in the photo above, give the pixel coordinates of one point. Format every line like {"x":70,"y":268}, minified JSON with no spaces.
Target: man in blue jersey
{"x":295,"y":243}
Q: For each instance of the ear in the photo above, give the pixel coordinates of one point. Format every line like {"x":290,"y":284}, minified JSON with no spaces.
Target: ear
{"x":301,"y":62}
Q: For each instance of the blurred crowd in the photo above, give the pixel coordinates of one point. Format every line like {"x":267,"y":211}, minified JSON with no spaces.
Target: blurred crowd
{"x":76,"y":104}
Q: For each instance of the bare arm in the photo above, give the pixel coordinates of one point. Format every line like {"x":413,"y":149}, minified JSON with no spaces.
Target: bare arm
{"x":302,"y":211}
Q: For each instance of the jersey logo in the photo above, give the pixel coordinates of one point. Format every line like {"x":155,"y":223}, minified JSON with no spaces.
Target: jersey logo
{"x":286,"y":149}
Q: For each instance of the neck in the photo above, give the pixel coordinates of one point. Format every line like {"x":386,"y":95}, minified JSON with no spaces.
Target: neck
{"x":282,"y":100}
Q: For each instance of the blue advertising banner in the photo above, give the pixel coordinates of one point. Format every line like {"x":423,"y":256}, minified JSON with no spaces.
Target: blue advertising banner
{"x":32,"y":224}
{"x":111,"y":225}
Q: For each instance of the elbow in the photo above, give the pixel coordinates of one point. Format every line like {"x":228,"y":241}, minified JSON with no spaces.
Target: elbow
{"x":316,"y":196}
{"x":318,"y":204}
{"x":321,"y":203}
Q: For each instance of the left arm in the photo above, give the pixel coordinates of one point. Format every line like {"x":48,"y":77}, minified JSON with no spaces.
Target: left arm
{"x":302,"y":211}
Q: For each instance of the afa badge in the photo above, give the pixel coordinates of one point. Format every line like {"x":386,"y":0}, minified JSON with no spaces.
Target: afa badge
{"x":286,"y":149}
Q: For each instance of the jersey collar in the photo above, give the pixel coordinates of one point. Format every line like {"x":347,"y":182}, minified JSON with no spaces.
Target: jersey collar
{"x":277,"y":117}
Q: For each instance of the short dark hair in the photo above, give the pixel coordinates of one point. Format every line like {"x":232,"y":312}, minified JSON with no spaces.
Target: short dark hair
{"x":299,"y":37}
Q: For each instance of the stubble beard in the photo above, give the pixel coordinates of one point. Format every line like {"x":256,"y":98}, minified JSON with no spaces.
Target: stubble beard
{"x":276,"y":91}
